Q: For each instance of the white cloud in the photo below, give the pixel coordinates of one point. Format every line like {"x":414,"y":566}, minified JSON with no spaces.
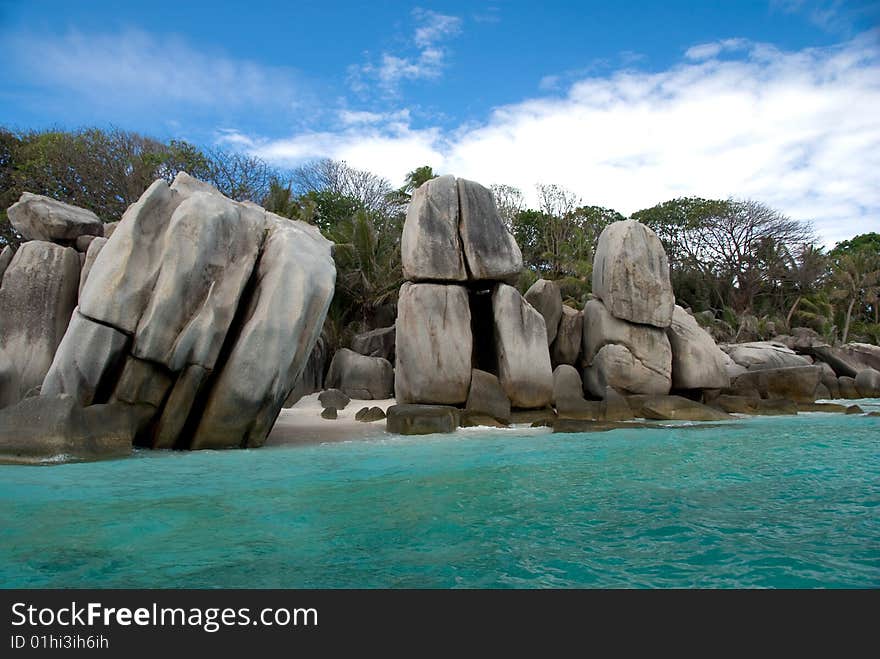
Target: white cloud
{"x":434,"y":27}
{"x":133,"y":68}
{"x":799,"y":131}
{"x":431,"y":30}
{"x":713,"y":49}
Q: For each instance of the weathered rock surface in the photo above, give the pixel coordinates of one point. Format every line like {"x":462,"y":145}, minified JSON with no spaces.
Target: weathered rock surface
{"x":697,"y":363}
{"x":329,"y":413}
{"x":569,"y":336}
{"x":491,"y":253}
{"x":795,"y":383}
{"x":109,"y":228}
{"x":867,"y":383}
{"x":223,"y":303}
{"x":37,"y":298}
{"x":615,"y":407}
{"x":82,"y":243}
{"x":521,"y":347}
{"x":847,"y":387}
{"x":631,"y":274}
{"x":754,"y":405}
{"x":568,"y":395}
{"x":364,"y":378}
{"x":486,"y":396}
{"x":430,"y":245}
{"x":433,"y":344}
{"x":376,"y":343}
{"x":677,"y":408}
{"x":48,"y":429}
{"x":89,"y":352}
{"x":311,"y":379}
{"x":849,"y":359}
{"x":92,"y":252}
{"x":334,"y":398}
{"x":37,"y":217}
{"x":631,"y":358}
{"x":421,"y":419}
{"x":763,"y":354}
{"x":369,"y":414}
{"x":5,"y":259}
{"x":545,"y":297}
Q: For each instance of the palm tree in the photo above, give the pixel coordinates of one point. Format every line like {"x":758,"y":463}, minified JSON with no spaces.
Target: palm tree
{"x":856,"y":277}
{"x":805,"y":273}
{"x":412,"y":182}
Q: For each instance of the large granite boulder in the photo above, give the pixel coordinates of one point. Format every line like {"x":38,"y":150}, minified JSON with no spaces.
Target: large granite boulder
{"x":794,"y":383}
{"x":335,"y":398}
{"x":758,"y":355}
{"x":430,"y":245}
{"x":52,"y":429}
{"x":92,"y":252}
{"x":867,"y":383}
{"x":433,"y":344}
{"x":632,"y":358}
{"x":521,"y":347}
{"x":545,"y":297}
{"x":37,"y":217}
{"x":490,"y":252}
{"x":631,"y":274}
{"x":37,"y":297}
{"x":89,"y":353}
{"x":223,"y":303}
{"x":697,"y":363}
{"x":849,"y":359}
{"x":568,"y":395}
{"x":361,"y":377}
{"x":677,"y":408}
{"x":847,"y":387}
{"x":421,"y":419}
{"x":376,"y":343}
{"x":567,"y":347}
{"x":486,"y":396}
{"x":6,"y":255}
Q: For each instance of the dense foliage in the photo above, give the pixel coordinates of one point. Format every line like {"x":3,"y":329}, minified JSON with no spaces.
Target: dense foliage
{"x":756,"y":270}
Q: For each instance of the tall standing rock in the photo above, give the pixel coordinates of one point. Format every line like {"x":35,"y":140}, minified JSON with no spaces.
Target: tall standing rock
{"x":433,"y":343}
{"x":567,"y":347}
{"x":222,"y":303}
{"x":545,"y":297}
{"x":37,"y":298}
{"x":430,"y":245}
{"x":37,"y":217}
{"x":697,"y":363}
{"x":631,"y":274}
{"x":491,"y":253}
{"x":632,"y":358}
{"x":521,"y":346}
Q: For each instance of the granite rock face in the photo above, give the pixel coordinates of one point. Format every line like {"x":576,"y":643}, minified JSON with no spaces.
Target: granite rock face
{"x":37,"y":217}
{"x":631,"y":358}
{"x":757,"y":355}
{"x":545,"y":297}
{"x":430,"y":245}
{"x":421,"y":419}
{"x":490,"y":251}
{"x":631,"y":274}
{"x":376,"y":343}
{"x":867,"y":383}
{"x":37,"y":298}
{"x":434,"y":344}
{"x":524,"y":368}
{"x":361,"y":377}
{"x":220,"y":303}
{"x":567,"y":347}
{"x":697,"y":362}
{"x":486,"y":396}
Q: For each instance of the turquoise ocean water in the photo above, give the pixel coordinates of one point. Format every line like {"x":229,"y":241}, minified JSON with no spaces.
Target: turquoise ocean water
{"x":762,"y":502}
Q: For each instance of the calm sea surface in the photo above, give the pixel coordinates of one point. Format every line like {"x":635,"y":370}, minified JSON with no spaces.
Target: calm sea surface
{"x":763,"y":502}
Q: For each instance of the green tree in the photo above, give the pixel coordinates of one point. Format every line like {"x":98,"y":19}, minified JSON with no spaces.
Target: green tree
{"x":856,"y":280}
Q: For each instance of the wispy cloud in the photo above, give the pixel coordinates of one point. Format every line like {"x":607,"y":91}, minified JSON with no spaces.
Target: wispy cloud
{"x":431,"y":30}
{"x":833,"y":16}
{"x":134,"y":70}
{"x":797,"y":130}
{"x":713,"y":49}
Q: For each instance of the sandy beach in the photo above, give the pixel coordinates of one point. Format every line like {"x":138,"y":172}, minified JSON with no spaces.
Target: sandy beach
{"x":302,"y":423}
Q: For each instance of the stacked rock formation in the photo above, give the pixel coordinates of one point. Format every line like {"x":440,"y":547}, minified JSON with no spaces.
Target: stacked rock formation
{"x":635,"y":339}
{"x":457,"y":312}
{"x":203,"y":310}
{"x":39,"y":286}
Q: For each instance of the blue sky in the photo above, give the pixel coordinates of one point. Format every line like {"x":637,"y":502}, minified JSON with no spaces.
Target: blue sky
{"x":627,"y":104}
